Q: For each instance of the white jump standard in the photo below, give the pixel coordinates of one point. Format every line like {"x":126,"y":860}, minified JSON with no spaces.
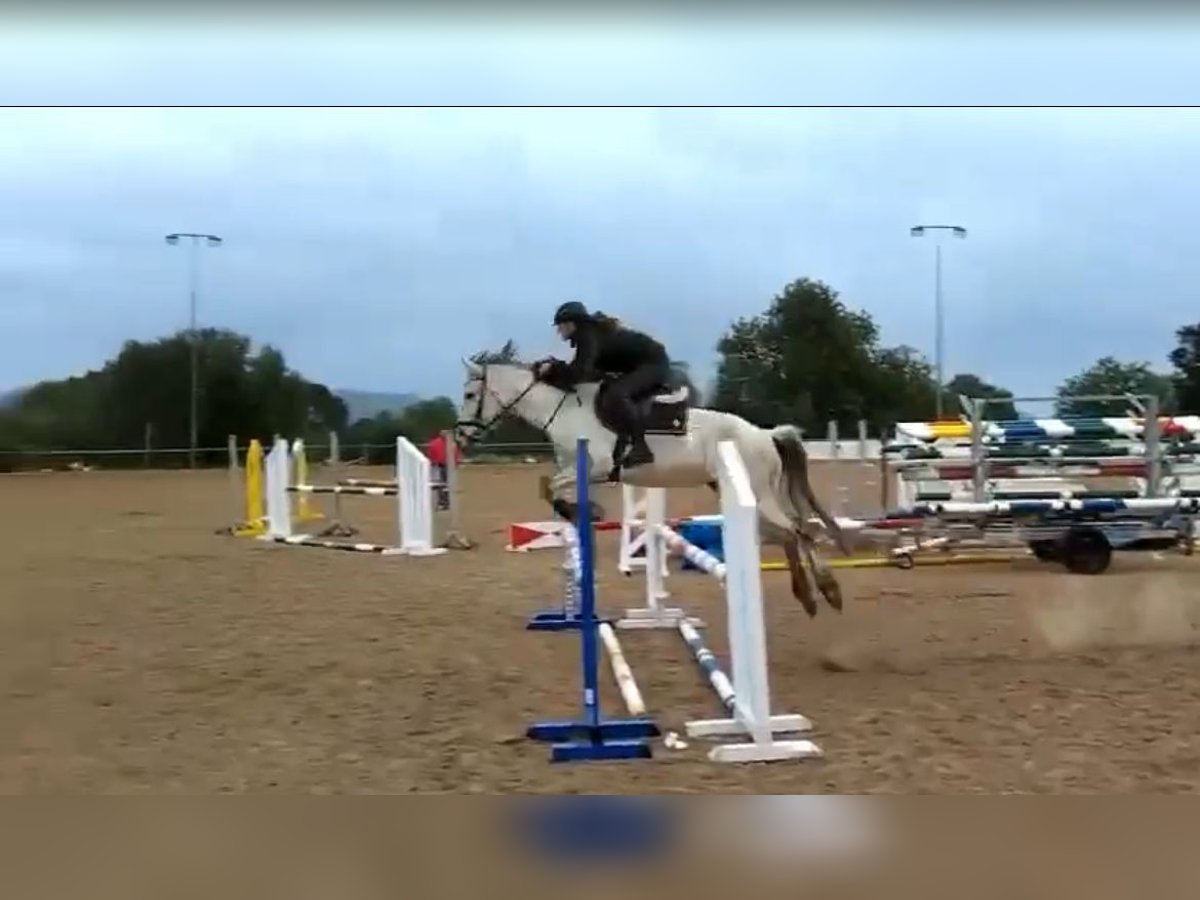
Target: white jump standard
{"x":653,"y":560}
{"x":747,"y":696}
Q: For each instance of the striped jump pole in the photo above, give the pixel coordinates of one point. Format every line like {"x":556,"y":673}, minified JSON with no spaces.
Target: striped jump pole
{"x":707,"y":661}
{"x":343,"y":489}
{"x":567,"y":617}
{"x":592,"y":737}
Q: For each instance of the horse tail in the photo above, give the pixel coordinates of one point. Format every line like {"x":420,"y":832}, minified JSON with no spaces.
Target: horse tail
{"x":789,"y":444}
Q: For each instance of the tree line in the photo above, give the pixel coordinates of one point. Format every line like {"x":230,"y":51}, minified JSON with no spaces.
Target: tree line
{"x":807,"y":359}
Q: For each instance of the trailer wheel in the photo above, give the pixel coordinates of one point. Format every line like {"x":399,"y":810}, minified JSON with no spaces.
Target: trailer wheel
{"x":1086,"y":551}
{"x":1046,"y":551}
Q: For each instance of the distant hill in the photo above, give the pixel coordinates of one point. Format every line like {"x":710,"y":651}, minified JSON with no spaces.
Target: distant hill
{"x":368,"y":404}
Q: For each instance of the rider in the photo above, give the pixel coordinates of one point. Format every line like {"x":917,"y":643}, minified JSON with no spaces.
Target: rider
{"x":604,"y":346}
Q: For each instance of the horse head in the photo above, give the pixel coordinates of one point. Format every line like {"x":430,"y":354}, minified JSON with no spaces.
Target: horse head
{"x":491,"y":391}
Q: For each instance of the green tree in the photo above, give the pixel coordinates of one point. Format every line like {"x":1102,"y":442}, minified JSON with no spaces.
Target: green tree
{"x":373,"y":439}
{"x":1186,"y":360}
{"x":422,"y":420}
{"x":901,"y":388}
{"x":1108,"y":376}
{"x":147,"y":385}
{"x":809,"y":359}
{"x":968,"y":385}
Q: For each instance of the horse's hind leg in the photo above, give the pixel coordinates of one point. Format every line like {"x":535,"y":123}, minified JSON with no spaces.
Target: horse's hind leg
{"x":801,"y":589}
{"x":823,"y":576}
{"x":777,"y":529}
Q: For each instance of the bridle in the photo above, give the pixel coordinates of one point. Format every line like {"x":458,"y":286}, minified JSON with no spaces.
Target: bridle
{"x":480,"y":426}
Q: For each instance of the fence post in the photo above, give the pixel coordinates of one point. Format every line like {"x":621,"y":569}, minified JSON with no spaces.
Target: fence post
{"x":149,"y":440}
{"x":235,"y":480}
{"x":1152,"y":447}
{"x":979,"y":460}
{"x":885,"y":501}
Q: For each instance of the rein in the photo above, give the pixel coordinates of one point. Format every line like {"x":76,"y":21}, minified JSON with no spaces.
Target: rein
{"x":482,"y":425}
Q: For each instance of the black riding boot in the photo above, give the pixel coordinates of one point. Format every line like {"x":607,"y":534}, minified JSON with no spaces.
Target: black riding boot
{"x":639,"y":453}
{"x":625,"y":413}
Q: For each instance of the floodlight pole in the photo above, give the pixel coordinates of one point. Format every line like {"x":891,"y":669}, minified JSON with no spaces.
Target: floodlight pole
{"x":195,"y":242}
{"x":939,"y":339}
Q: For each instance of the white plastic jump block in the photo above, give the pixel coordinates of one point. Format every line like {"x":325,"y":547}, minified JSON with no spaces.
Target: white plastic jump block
{"x":742,"y":721}
{"x":768,"y":750}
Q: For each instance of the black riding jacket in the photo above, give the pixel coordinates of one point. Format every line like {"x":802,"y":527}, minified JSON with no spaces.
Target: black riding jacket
{"x":602,"y":350}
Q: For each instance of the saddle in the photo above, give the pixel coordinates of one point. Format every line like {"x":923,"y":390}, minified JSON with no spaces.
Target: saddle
{"x":662,"y":413}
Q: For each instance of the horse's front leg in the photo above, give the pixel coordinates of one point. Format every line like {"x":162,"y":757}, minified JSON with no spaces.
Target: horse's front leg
{"x":557,"y":492}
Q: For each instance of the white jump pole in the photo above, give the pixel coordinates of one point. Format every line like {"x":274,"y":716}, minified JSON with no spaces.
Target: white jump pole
{"x":621,"y":671}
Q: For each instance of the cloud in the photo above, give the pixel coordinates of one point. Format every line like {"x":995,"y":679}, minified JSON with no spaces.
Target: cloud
{"x":377,"y":246}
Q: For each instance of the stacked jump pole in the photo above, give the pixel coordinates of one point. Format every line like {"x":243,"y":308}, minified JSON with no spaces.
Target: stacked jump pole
{"x":1058,"y":517}
{"x":978,"y":451}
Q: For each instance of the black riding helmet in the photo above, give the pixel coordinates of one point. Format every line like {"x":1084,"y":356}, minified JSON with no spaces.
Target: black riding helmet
{"x":571,"y":311}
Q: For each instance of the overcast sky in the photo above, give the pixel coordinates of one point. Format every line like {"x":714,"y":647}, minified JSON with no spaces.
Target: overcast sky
{"x":376,"y":247}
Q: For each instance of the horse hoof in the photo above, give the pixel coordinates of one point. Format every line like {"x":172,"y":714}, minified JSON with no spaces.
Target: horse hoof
{"x":832,"y":592}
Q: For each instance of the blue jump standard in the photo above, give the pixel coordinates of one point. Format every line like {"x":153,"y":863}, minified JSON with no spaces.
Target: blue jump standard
{"x":592,"y":737}
{"x":554,"y":620}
